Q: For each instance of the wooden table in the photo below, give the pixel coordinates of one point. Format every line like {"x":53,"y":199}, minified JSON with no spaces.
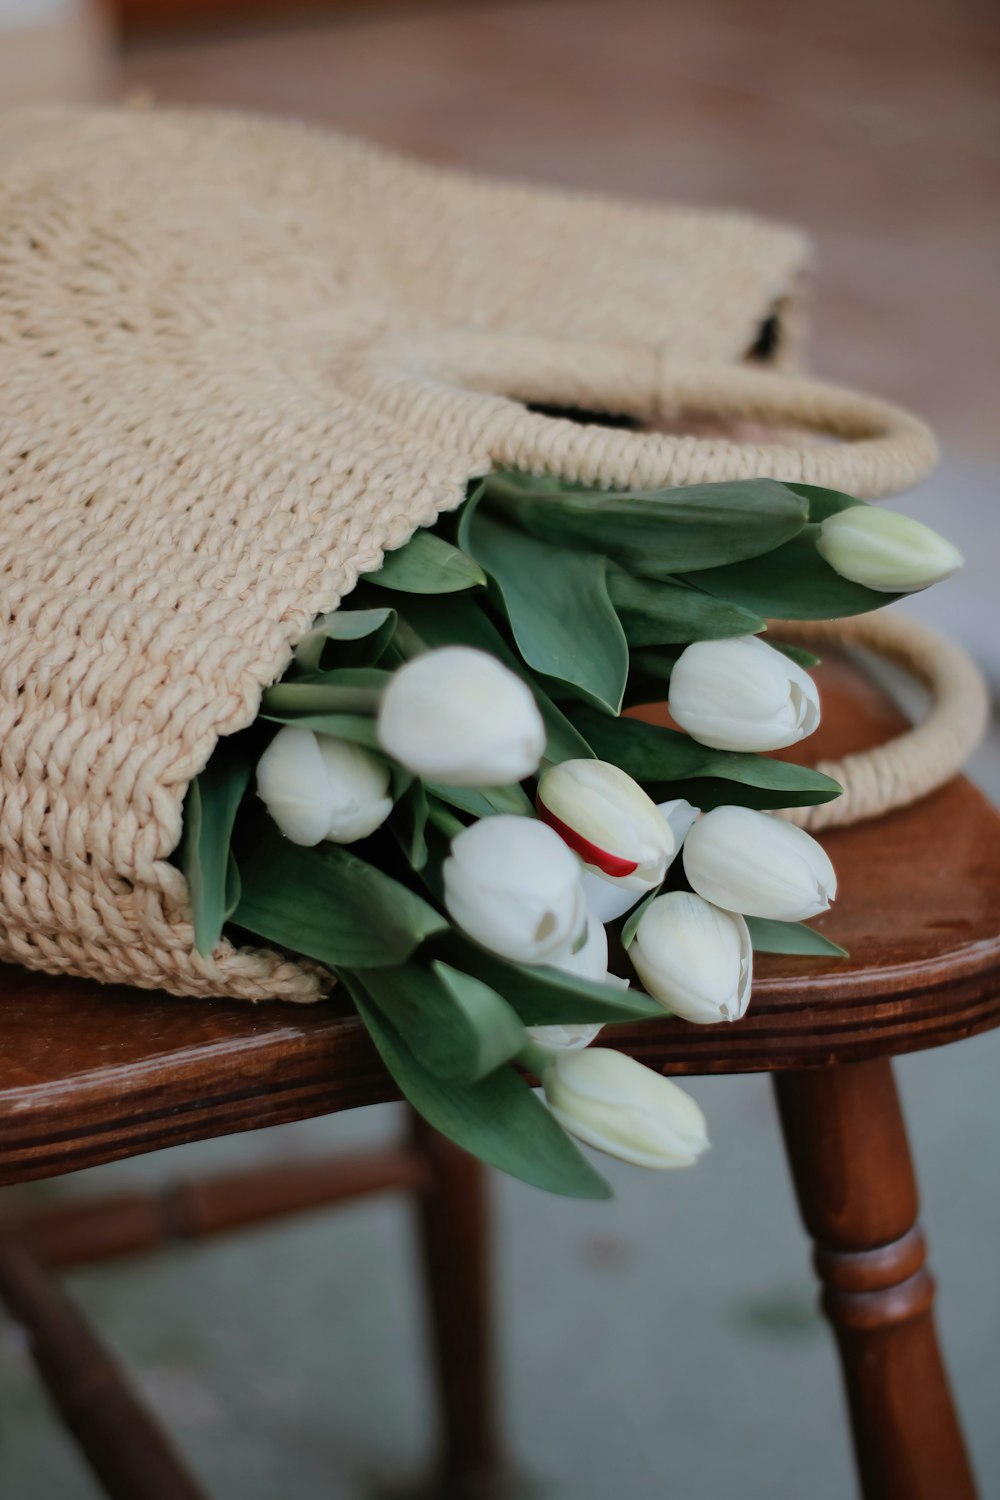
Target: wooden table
{"x":91,"y":1074}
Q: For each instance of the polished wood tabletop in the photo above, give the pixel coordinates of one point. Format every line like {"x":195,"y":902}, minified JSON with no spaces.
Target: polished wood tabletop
{"x":90,"y":1073}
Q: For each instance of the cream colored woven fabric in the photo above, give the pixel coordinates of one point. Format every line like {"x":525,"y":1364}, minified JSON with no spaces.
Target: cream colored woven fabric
{"x":238,"y":359}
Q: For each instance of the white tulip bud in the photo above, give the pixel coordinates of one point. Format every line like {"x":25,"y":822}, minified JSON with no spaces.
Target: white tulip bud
{"x":753,"y":863}
{"x":742,"y":694}
{"x":589,"y":961}
{"x":512,"y":885}
{"x":317,"y":787}
{"x":693,"y":957}
{"x":612,"y":1102}
{"x":607,"y":818}
{"x":459,"y":716}
{"x":886,"y":551}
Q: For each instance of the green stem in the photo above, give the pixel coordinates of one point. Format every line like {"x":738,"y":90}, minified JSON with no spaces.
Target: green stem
{"x":534,"y":1058}
{"x":443,"y":819}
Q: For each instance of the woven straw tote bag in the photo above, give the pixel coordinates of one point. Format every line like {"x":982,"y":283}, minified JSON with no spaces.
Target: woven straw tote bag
{"x":239,"y":359}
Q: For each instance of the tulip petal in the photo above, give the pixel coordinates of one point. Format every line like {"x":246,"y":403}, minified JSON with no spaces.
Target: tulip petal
{"x":608,"y":864}
{"x":606,"y":899}
{"x":457,"y":715}
{"x":681,"y":816}
{"x":566,"y":1038}
{"x":358,"y":786}
{"x":885,"y":550}
{"x":292,"y":784}
{"x":513,"y":886}
{"x":693,"y":957}
{"x":742,"y":694}
{"x":611,"y":1102}
{"x":605,"y":815}
{"x":751,"y":862}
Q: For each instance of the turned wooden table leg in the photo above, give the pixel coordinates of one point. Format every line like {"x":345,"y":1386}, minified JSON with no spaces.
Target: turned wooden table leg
{"x":454,"y":1235}
{"x":850,"y":1159}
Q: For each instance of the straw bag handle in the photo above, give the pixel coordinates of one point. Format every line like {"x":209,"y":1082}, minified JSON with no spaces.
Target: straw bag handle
{"x":476,"y":383}
{"x":452,"y":378}
{"x":919,"y":760}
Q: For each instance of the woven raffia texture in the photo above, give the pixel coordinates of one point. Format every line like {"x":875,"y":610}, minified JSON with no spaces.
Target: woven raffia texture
{"x":239,"y":359}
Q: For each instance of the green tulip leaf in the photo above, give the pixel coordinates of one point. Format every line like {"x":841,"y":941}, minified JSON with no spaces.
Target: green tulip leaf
{"x":669,"y":764}
{"x":409,"y":823}
{"x":792,"y":583}
{"x":210,"y":809}
{"x":560,"y":612}
{"x":769,"y":936}
{"x":666,"y":612}
{"x":329,"y":904}
{"x":798,"y":654}
{"x":443,"y":820}
{"x":549,"y":997}
{"x":427,"y":565}
{"x":499,"y":1118}
{"x":355,"y":727}
{"x":484,"y":801}
{"x":823,"y":502}
{"x":709,"y":792}
{"x":659,"y":533}
{"x":360,"y":636}
{"x":455,"y":1026}
{"x":467,"y":513}
{"x":498,"y":1028}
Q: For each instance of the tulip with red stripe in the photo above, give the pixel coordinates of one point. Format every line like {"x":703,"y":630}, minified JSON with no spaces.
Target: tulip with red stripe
{"x":621,"y":836}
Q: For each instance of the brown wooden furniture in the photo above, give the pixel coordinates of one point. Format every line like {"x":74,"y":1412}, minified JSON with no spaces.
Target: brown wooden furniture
{"x":165,"y":17}
{"x":88,"y":1075}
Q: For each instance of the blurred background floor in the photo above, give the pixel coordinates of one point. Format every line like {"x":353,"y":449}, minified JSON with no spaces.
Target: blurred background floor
{"x":667,"y":1343}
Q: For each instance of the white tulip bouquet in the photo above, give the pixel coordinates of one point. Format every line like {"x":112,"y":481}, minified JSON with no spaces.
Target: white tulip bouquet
{"x":444,"y":803}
